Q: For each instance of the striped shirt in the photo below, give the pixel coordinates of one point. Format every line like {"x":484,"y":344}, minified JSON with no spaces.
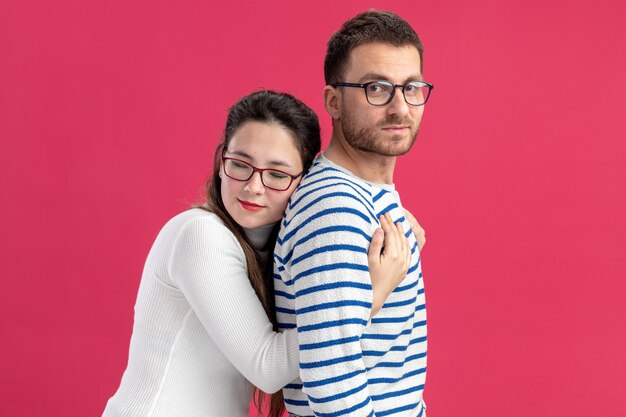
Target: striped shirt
{"x":349,"y":364}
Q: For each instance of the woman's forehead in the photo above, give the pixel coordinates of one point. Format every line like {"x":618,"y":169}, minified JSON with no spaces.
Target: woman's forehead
{"x":267,"y":144}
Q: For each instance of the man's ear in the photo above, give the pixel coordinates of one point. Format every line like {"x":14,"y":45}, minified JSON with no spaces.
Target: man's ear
{"x":332,"y":101}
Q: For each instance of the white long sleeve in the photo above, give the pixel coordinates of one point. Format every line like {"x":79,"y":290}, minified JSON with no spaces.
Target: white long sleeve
{"x":200,"y":332}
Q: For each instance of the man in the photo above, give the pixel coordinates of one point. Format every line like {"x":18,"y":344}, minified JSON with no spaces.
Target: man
{"x":350,"y":365}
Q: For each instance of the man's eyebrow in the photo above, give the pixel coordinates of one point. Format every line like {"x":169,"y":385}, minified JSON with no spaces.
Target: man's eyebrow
{"x":272,"y":162}
{"x":374,"y":76}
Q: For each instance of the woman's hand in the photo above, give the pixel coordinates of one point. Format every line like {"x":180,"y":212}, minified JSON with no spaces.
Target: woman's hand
{"x":418,"y":231}
{"x":389,"y":258}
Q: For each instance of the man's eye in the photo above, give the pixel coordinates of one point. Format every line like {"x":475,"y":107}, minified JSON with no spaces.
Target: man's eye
{"x":376,"y":88}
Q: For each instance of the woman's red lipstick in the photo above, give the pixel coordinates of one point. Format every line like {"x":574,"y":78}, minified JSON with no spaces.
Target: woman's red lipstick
{"x":247,"y":205}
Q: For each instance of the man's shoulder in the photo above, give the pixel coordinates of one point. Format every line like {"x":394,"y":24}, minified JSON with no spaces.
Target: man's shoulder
{"x":326,"y":186}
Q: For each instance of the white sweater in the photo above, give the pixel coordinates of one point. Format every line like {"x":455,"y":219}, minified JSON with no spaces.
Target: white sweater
{"x":200,"y":335}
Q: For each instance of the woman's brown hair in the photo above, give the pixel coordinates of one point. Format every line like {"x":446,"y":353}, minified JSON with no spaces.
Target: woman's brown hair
{"x":289,"y":112}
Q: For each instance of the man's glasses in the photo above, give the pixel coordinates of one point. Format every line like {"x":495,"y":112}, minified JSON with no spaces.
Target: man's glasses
{"x":271,"y":178}
{"x":380,"y":93}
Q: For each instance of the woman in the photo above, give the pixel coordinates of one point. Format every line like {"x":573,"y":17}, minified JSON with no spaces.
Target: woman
{"x":201,"y":328}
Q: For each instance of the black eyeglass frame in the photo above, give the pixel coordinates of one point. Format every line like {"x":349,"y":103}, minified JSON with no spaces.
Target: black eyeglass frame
{"x":393,"y":92}
{"x":260,"y":171}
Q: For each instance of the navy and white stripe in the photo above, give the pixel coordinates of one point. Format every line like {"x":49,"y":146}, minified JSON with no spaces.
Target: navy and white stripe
{"x":349,"y":364}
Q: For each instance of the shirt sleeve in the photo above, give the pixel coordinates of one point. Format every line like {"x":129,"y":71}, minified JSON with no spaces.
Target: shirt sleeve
{"x":333,"y":297}
{"x":209,"y":267}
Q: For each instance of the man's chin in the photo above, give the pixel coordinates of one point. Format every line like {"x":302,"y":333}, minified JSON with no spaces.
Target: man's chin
{"x":390,"y":151}
{"x":397,"y":146}
{"x":382,"y":144}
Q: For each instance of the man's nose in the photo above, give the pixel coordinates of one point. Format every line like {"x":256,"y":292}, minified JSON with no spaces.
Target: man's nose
{"x":398,"y":104}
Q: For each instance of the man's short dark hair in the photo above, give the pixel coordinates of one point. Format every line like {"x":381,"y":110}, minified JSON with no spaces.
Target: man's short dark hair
{"x":367,"y":27}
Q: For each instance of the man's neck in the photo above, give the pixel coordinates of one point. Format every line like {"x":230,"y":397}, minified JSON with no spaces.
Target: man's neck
{"x":369,"y":166}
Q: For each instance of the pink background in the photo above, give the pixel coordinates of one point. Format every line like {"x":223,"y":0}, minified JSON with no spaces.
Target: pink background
{"x":109,"y":114}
